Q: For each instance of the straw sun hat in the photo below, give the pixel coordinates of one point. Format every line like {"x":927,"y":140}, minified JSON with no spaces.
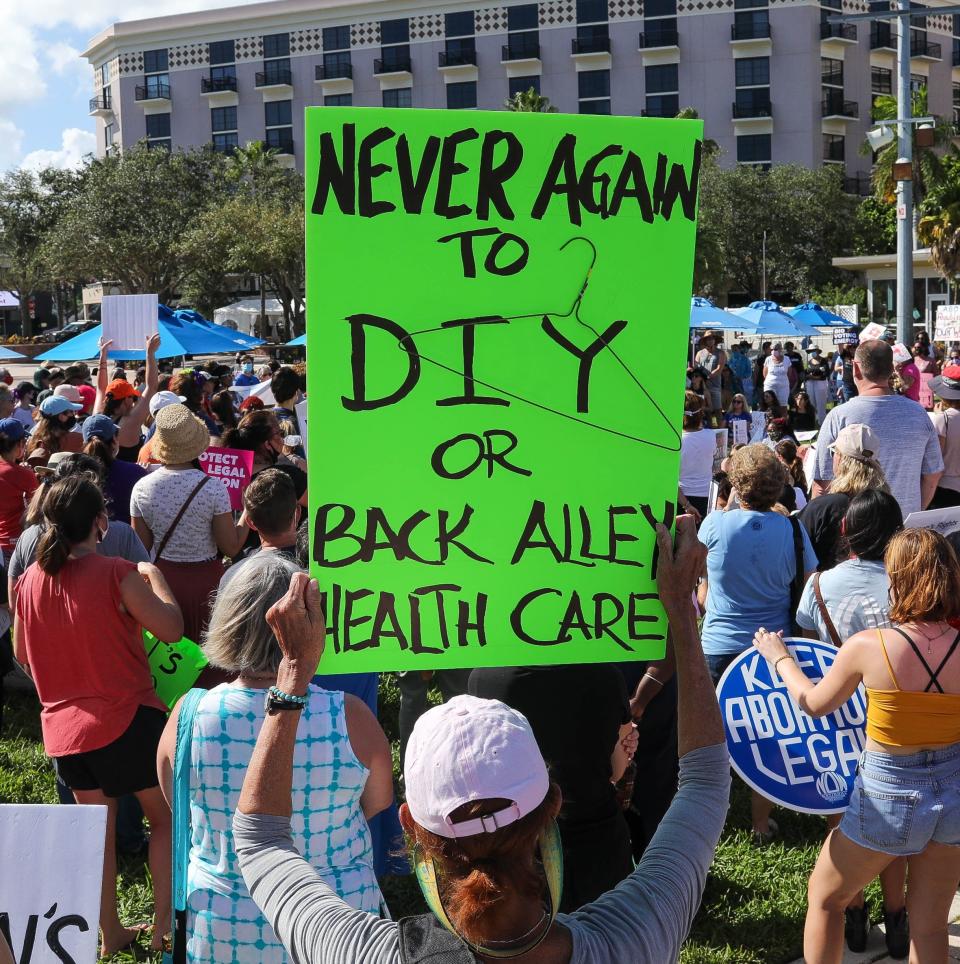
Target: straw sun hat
{"x":180,"y":436}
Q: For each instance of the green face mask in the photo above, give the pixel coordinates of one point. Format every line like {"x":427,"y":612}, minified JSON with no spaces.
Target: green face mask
{"x":551,"y":859}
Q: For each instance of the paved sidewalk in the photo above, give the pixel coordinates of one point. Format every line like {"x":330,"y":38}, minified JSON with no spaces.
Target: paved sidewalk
{"x":877,"y":951}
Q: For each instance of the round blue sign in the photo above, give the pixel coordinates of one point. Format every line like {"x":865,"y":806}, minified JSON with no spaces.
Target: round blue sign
{"x":797,"y":761}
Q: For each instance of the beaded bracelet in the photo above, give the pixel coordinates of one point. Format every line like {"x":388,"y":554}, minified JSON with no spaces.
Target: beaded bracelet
{"x":278,"y":694}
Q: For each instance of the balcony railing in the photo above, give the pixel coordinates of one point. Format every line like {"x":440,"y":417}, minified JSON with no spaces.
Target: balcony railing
{"x":921,"y":47}
{"x":666,"y":37}
{"x":759,"y":108}
{"x":460,"y":58}
{"x":391,"y":65}
{"x":838,"y":31}
{"x":100,"y":102}
{"x":153,"y":92}
{"x":838,"y":107}
{"x":334,"y":71}
{"x":282,"y":144}
{"x":215,"y":85}
{"x":590,"y":45}
{"x":520,"y":50}
{"x":752,"y":30}
{"x":274,"y":78}
{"x":882,"y":37}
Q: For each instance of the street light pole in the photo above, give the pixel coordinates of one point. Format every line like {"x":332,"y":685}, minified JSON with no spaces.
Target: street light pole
{"x":905,"y":186}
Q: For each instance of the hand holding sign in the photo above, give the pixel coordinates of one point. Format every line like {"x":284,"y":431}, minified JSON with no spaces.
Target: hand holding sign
{"x":678,"y":569}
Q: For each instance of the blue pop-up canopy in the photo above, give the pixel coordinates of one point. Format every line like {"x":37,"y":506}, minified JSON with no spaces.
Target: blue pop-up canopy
{"x":705,"y":314}
{"x":238,"y":337}
{"x":770,"y":319}
{"x":813,"y":314}
{"x":7,"y":355}
{"x":299,"y":340}
{"x":177,"y":337}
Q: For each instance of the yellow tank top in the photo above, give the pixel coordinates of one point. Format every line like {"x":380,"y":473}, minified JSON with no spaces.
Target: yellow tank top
{"x":910,"y":718}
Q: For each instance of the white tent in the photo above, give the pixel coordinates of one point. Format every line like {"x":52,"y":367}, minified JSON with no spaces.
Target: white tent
{"x":243,"y":316}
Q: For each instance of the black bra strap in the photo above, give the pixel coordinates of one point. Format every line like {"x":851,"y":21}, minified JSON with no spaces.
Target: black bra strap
{"x":933,"y":674}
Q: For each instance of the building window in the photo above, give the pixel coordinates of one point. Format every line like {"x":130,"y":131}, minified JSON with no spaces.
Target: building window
{"x":155,"y":61}
{"x":594,"y":91}
{"x":833,"y":148}
{"x":751,"y":24}
{"x":520,"y":85}
{"x":593,"y":30}
{"x":225,"y":143}
{"x":662,"y":84}
{"x":221,"y":52}
{"x":223,"y":119}
{"x":460,"y":47}
{"x":753,"y":149}
{"x":276,"y":45}
{"x":104,"y":72}
{"x":338,"y":100}
{"x":523,"y":32}
{"x":752,"y":75}
{"x":956,"y":103}
{"x":831,"y":72}
{"x":336,"y":38}
{"x":918,"y":82}
{"x":158,"y":130}
{"x":108,"y":132}
{"x":278,"y":118}
{"x":336,"y":56}
{"x":395,"y":45}
{"x":398,"y":97}
{"x":660,"y":23}
{"x":462,"y":96}
{"x":881,"y":80}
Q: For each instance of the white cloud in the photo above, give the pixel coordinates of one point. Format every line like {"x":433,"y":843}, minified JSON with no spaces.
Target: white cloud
{"x":11,"y":139}
{"x":21,"y":79}
{"x":75,"y":144}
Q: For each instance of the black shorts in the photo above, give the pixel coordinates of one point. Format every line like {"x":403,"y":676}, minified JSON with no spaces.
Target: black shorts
{"x":127,"y":765}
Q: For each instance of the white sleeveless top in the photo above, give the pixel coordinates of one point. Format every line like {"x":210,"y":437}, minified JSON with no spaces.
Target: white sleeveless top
{"x":329,"y":829}
{"x":776,"y":373}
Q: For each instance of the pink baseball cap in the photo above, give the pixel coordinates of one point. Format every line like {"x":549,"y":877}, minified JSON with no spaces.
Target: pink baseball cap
{"x":88,"y":395}
{"x":472,"y":749}
{"x":70,"y":392}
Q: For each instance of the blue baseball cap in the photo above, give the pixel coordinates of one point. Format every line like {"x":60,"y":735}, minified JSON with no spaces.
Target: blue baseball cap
{"x":100,"y":426}
{"x":13,"y":429}
{"x":57,"y":405}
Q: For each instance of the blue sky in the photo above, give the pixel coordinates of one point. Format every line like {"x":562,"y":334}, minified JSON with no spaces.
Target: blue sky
{"x":45,"y":85}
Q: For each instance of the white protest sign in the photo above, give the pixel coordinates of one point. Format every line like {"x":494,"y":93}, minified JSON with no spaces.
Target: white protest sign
{"x":802,"y":437}
{"x":873,"y":330}
{"x":720,"y":453}
{"x":741,"y":434}
{"x":948,"y":323}
{"x":263,"y":391}
{"x":901,"y":354}
{"x":944,"y":521}
{"x":301,"y":409}
{"x":50,"y":881}
{"x":758,"y":426}
{"x":128,"y":320}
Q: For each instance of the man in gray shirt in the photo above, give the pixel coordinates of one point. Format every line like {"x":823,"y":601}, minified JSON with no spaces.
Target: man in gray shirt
{"x":909,"y":451}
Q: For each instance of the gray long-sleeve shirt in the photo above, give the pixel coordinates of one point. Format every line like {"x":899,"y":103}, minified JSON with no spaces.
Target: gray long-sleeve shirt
{"x":644,"y":920}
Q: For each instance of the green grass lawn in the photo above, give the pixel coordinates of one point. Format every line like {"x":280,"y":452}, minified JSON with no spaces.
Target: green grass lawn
{"x":752,"y":909}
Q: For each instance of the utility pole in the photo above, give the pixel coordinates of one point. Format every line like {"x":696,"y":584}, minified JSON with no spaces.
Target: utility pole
{"x":904,"y":186}
{"x":904,"y":124}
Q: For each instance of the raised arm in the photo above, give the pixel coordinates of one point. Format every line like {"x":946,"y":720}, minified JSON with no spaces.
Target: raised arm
{"x":313,"y":923}
{"x":647,"y":917}
{"x":130,"y":427}
{"x":103,"y":376}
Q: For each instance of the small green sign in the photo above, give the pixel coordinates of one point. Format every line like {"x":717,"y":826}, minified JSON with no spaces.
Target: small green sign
{"x":174,"y":667}
{"x":498,"y":316}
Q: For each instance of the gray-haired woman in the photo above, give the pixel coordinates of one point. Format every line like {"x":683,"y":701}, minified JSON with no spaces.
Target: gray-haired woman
{"x":342,"y":774}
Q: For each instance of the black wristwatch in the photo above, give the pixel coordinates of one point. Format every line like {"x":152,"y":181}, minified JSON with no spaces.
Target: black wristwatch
{"x":272,"y":703}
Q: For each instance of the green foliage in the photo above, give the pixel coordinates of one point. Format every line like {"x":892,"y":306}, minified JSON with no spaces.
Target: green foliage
{"x":529,"y":101}
{"x":840,"y":294}
{"x":927,"y":167}
{"x":806,"y":216}
{"x":875,"y":227}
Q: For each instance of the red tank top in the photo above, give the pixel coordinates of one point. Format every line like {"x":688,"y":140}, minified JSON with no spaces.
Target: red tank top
{"x":86,"y":655}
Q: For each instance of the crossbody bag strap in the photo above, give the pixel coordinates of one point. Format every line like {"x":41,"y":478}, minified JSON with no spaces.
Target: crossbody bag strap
{"x":797,"y":587}
{"x":181,"y":820}
{"x":825,"y":615}
{"x":173,"y":525}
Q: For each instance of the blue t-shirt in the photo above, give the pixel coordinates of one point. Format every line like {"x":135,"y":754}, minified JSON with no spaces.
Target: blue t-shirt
{"x":242,"y":380}
{"x":750,"y":566}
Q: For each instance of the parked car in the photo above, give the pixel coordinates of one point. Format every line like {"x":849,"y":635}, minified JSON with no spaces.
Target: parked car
{"x":73,"y":328}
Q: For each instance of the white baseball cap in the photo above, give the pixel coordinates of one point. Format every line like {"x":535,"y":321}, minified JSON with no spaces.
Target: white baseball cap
{"x":858,"y":441}
{"x":163,"y":399}
{"x":472,"y":749}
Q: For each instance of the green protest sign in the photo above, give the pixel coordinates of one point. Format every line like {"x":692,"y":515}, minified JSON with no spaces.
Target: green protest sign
{"x":174,"y":667}
{"x":498,"y":318}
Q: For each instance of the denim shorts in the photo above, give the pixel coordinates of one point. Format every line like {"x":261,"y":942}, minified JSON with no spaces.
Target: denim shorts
{"x":717,"y":665}
{"x":902,"y":803}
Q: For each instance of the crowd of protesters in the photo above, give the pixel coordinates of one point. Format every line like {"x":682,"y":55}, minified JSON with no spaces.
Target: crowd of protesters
{"x":553,"y":814}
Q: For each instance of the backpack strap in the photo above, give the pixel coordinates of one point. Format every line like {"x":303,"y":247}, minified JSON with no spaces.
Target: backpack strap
{"x":173,"y":525}
{"x":181,"y":820}
{"x":825,"y":615}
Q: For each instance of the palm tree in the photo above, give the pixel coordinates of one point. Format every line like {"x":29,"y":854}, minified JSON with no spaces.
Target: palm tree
{"x":927,"y":169}
{"x":529,"y":101}
{"x":940,"y":231}
{"x":710,"y":146}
